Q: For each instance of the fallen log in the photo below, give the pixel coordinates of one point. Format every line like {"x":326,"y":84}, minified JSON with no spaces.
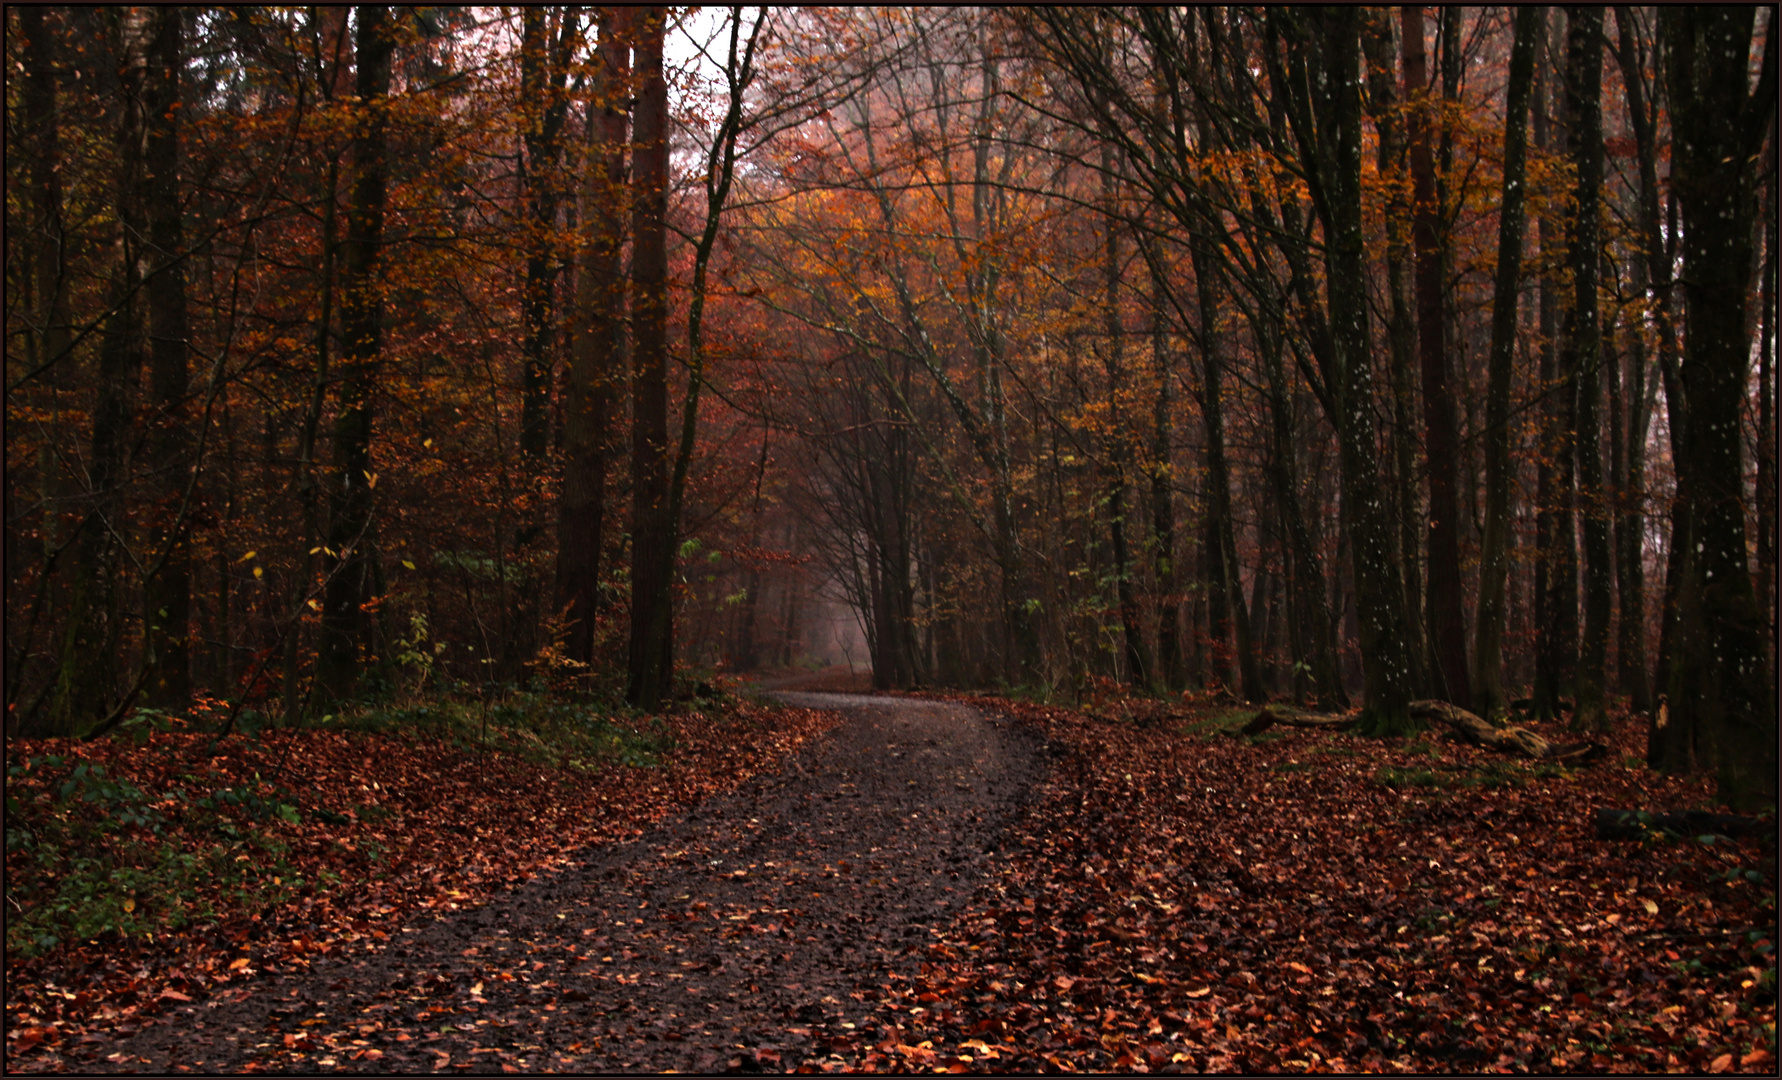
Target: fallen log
{"x":1292,"y":717}
{"x":1480,"y":732}
{"x":1637,"y":824}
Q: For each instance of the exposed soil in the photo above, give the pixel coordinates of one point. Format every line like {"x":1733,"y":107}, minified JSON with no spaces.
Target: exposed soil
{"x":728,"y":939}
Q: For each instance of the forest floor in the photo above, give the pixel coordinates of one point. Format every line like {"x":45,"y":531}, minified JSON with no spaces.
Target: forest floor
{"x":903,"y":883}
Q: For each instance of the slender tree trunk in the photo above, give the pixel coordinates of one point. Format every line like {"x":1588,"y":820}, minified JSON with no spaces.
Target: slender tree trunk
{"x":544,"y":68}
{"x":49,"y":340}
{"x":1583,"y":352}
{"x":1447,"y":624}
{"x":597,"y":356}
{"x":1671,"y":748}
{"x":1489,"y":699}
{"x":1719,"y":671}
{"x":1163,"y":514}
{"x":1229,"y":615}
{"x":1314,"y":628}
{"x":306,"y":447}
{"x":167,"y":599}
{"x":1138,"y":662}
{"x":361,"y":317}
{"x":47,"y":344}
{"x":331,"y":31}
{"x":1617,"y":492}
{"x":652,"y":545}
{"x":719,"y":171}
{"x":1633,"y":675}
{"x":86,"y":679}
{"x":1556,"y":571}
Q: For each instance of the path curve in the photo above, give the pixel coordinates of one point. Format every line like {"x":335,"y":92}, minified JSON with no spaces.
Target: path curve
{"x":730,"y":937}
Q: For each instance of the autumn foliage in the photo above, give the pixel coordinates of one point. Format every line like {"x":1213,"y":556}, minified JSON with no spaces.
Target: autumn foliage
{"x":390,"y":366}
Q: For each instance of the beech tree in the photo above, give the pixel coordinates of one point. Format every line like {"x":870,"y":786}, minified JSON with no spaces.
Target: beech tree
{"x":352,"y":577}
{"x":1720,"y":685}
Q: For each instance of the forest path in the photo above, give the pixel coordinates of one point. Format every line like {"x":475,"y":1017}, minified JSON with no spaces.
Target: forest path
{"x":729,"y":938}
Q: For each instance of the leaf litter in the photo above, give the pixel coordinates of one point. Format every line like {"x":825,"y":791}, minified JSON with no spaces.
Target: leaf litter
{"x":381,"y":831}
{"x":1167,"y":898}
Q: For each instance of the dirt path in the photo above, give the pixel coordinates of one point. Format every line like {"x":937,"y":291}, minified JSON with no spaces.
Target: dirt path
{"x":730,"y":938}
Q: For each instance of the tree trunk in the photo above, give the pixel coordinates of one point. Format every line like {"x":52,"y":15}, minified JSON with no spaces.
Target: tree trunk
{"x":1447,"y":624}
{"x":1556,"y":566}
{"x":86,"y":679}
{"x":1225,"y":591}
{"x":167,"y":599}
{"x":331,"y":32}
{"x":1765,"y":584}
{"x":1325,"y":101}
{"x":49,"y":341}
{"x":1719,"y":670}
{"x":1581,"y":337}
{"x":361,"y":317}
{"x":1313,"y":631}
{"x":544,"y":67}
{"x":1494,"y":563}
{"x":47,"y":345}
{"x":652,"y":549}
{"x":1671,"y":748}
{"x":1171,"y":672}
{"x":1632,"y":672}
{"x":1138,"y":662}
{"x":1401,"y":334}
{"x":597,"y":355}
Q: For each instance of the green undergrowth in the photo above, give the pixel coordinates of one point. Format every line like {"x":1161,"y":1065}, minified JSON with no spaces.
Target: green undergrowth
{"x":88,"y":854}
{"x":534,"y":727}
{"x":537,"y":727}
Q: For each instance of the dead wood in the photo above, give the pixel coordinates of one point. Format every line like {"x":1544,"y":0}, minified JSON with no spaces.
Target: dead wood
{"x":1291,"y":717}
{"x":1481,"y":732}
